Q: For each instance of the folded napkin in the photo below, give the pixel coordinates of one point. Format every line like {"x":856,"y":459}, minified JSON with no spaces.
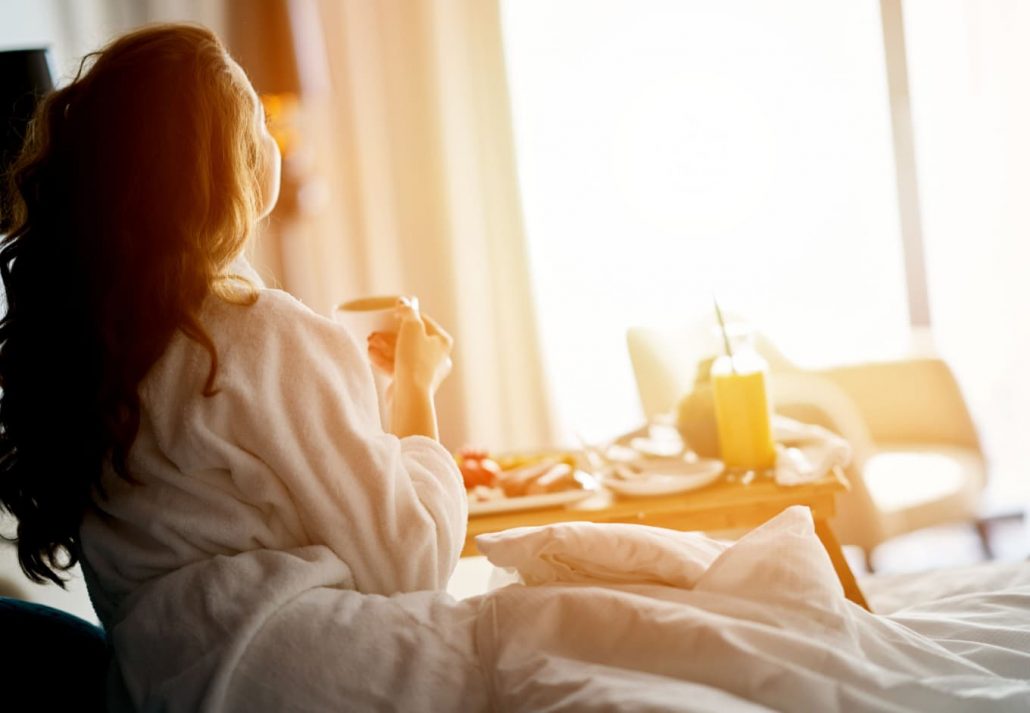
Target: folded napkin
{"x":805,"y":452}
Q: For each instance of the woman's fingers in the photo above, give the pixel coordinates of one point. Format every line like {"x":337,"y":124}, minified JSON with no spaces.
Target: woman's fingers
{"x":407,"y":308}
{"x":382,"y":350}
{"x":425,"y":327}
{"x":411,"y":327}
{"x":418,"y":350}
{"x":433,"y":328}
{"x":383,"y":342}
{"x":382,"y":363}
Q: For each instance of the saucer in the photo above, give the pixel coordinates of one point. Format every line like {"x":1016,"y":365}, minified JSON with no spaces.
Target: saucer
{"x":667,"y":478}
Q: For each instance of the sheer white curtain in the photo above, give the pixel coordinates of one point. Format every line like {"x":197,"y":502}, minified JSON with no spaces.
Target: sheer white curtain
{"x":417,"y":153}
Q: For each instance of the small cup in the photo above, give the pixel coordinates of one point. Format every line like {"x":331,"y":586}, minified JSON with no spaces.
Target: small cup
{"x":363,"y":316}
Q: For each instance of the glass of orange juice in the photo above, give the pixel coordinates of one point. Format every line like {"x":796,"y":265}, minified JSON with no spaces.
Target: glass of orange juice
{"x":743,"y":412}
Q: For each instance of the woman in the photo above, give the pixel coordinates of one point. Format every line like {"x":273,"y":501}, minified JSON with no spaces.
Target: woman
{"x":208,"y":449}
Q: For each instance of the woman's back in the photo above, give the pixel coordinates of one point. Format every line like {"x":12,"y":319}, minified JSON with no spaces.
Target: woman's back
{"x":281,"y":483}
{"x":289,"y":453}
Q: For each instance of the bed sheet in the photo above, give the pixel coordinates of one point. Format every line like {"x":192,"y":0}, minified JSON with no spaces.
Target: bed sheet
{"x":645,"y":619}
{"x":890,"y":593}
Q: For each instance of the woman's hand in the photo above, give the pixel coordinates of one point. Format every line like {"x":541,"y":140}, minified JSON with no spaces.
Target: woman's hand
{"x":418,"y":357}
{"x":381,"y":349}
{"x":417,"y":354}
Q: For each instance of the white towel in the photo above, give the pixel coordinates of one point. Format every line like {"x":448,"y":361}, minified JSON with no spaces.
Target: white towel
{"x":805,"y":452}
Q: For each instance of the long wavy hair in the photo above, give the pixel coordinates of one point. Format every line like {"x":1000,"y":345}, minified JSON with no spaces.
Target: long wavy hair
{"x":138,"y":184}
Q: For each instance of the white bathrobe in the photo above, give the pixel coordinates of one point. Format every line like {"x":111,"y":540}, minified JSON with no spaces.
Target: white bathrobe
{"x":281,"y":483}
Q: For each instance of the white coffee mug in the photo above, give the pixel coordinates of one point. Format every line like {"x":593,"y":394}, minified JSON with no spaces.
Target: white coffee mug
{"x":363,"y":316}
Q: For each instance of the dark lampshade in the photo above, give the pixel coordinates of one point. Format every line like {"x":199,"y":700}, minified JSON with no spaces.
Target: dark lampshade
{"x":24,"y":78}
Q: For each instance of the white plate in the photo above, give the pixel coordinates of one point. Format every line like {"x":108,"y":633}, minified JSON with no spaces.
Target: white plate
{"x":677,"y":478}
{"x":588,"y":486}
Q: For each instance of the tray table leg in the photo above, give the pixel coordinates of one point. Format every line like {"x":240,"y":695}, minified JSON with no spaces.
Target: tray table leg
{"x":840,"y":564}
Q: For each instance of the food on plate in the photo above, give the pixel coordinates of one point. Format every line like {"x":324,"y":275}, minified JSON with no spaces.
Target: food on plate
{"x":560,"y":476}
{"x":510,"y":461}
{"x":514,"y":481}
{"x":485,"y":493}
{"x":492,"y":477}
{"x":477,"y":468}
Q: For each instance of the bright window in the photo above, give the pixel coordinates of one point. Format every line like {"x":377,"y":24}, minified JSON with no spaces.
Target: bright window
{"x":669,"y":150}
{"x":971,"y":113}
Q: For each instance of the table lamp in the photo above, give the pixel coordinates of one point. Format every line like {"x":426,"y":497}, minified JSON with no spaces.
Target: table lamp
{"x":24,"y":79}
{"x":261,"y":37}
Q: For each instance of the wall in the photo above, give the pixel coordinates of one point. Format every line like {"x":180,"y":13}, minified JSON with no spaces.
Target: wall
{"x":67,"y":28}
{"x":25,"y":24}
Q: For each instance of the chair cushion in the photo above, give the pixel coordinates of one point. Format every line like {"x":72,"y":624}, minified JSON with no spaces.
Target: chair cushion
{"x":920,"y":484}
{"x":50,"y":659}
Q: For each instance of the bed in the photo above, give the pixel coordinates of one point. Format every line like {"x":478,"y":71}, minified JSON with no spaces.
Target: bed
{"x":626,"y":617}
{"x":586,"y":617}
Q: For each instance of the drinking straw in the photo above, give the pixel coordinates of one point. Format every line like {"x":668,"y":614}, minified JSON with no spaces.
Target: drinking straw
{"x":725,"y":336}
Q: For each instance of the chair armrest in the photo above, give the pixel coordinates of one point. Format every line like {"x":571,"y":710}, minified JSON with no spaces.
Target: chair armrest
{"x":664,"y":363}
{"x":813,"y":398}
{"x":908,"y":400}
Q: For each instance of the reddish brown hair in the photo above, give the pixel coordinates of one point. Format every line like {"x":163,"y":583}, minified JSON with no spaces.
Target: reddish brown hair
{"x":137,"y":186}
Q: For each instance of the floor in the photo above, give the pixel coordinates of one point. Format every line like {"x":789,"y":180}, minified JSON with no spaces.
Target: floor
{"x":948,"y":546}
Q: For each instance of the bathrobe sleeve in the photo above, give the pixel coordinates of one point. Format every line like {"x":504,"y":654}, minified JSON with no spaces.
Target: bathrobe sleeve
{"x":296,"y":392}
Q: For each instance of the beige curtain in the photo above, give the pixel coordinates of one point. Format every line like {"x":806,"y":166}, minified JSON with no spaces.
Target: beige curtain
{"x":410,"y":187}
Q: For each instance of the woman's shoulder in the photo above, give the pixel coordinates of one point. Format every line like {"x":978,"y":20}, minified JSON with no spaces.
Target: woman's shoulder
{"x":274,"y":334}
{"x":269,"y":306}
{"x":273,"y":314}
{"x":277,"y":328}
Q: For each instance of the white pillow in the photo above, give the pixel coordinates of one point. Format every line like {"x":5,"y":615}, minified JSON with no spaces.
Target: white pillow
{"x":780,"y":560}
{"x":591,"y":552}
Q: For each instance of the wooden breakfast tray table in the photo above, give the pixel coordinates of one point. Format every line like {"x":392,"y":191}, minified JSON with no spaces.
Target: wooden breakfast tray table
{"x":724,"y":505}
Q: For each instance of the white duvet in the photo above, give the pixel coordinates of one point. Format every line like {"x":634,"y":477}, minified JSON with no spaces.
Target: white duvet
{"x":617,"y":617}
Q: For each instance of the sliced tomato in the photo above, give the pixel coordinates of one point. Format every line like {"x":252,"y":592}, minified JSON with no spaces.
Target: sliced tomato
{"x":474,"y":473}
